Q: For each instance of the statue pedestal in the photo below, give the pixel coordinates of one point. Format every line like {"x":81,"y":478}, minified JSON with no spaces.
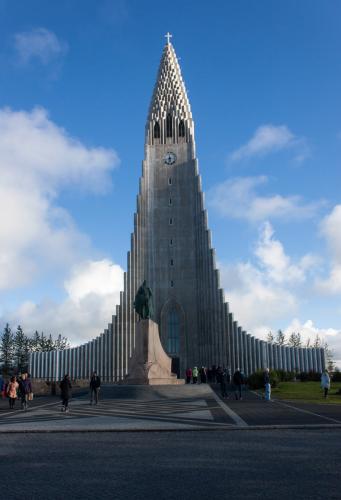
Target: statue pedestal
{"x":150,"y":365}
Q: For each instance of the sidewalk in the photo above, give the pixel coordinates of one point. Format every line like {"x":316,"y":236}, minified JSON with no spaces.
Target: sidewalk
{"x":165,"y":408}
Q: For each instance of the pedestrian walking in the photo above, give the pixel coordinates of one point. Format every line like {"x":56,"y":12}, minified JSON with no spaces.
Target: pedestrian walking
{"x":12,"y":392}
{"x":188,"y":375}
{"x":225,"y":378}
{"x":195,"y":373}
{"x":325,"y":382}
{"x":25,"y":389}
{"x":238,"y":382}
{"x":95,"y":384}
{"x":65,"y":392}
{"x":267,"y":384}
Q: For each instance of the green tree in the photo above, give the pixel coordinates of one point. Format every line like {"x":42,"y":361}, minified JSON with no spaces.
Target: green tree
{"x":22,"y":349}
{"x":295,"y":340}
{"x":7,"y":349}
{"x":317,"y":341}
{"x":270,"y":337}
{"x":329,"y":357}
{"x":280,"y":338}
{"x":61,"y":343}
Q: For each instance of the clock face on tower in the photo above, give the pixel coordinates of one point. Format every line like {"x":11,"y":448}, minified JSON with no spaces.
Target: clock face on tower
{"x":170,"y":158}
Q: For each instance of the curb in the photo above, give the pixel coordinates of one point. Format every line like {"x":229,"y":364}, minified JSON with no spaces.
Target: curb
{"x":204,"y":429}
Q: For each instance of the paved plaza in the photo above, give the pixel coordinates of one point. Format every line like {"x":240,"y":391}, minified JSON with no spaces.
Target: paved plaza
{"x":146,"y":408}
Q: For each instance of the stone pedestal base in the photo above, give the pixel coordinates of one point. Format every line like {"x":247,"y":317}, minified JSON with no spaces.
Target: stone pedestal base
{"x":150,"y":365}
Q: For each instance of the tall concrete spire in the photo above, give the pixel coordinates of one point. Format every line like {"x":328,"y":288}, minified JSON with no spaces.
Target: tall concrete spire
{"x":170,"y":117}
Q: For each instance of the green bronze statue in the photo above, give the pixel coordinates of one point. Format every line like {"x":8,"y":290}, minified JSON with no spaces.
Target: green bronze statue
{"x":144,"y":302}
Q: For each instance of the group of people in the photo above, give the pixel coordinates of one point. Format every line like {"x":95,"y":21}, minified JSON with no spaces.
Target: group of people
{"x":66,"y":390}
{"x":218,"y":375}
{"x":18,"y":388}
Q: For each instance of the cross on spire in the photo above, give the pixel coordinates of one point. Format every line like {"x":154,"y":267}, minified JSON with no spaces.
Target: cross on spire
{"x":168,"y":36}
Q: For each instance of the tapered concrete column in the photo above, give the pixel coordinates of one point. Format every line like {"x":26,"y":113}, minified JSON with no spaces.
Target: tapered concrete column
{"x":232,"y":360}
{"x":292,"y":357}
{"x":314,"y":360}
{"x":287,"y":354}
{"x":257,"y":354}
{"x":301,"y":359}
{"x":249,"y":357}
{"x":240,"y":348}
{"x":32,"y":368}
{"x":323,"y":359}
{"x":236,"y":344}
{"x":253,"y":354}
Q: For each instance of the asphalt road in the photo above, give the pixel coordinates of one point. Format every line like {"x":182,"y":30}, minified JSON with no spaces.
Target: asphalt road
{"x":271,"y":464}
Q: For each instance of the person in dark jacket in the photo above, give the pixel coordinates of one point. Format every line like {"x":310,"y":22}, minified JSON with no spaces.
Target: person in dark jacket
{"x":95,"y":384}
{"x":65,"y":392}
{"x":238,"y":382}
{"x":225,"y":379}
{"x":25,"y":388}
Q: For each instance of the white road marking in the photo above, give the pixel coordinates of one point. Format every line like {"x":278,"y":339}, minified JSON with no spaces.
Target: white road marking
{"x":236,"y":418}
{"x":309,"y":412}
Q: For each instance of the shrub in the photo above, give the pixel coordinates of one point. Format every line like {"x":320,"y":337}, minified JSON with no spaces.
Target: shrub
{"x":256,"y":379}
{"x":336,"y":377}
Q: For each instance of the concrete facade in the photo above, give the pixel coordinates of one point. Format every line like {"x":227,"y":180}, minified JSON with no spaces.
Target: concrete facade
{"x":171,"y":248}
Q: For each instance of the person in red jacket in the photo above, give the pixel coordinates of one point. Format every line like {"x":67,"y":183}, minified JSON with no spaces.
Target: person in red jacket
{"x":188,"y":375}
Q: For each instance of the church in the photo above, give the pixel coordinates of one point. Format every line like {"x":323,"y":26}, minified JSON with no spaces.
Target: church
{"x":171,"y":249}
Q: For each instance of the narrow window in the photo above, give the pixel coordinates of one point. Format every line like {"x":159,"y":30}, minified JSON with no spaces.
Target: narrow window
{"x":169,"y":127}
{"x":173,"y":327}
{"x":170,"y":221}
{"x":170,"y":201}
{"x":171,"y":241}
{"x":172,"y":262}
{"x":172,"y":283}
{"x":169,"y":180}
{"x":157,"y":131}
{"x":181,"y":129}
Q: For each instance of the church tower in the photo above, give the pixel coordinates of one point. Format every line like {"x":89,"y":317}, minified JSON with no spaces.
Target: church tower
{"x":180,"y":264}
{"x":171,"y":249}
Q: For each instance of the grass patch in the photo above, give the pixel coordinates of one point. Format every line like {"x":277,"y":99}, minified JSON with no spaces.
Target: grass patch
{"x":310,"y":392}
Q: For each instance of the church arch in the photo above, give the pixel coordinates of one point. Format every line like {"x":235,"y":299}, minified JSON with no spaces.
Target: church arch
{"x":181,"y":129}
{"x":156,"y":130}
{"x":169,"y":125}
{"x":172,"y":331}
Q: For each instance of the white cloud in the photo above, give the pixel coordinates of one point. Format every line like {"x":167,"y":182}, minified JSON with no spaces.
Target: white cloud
{"x":237,"y":198}
{"x":92,"y":292}
{"x":254,"y":300}
{"x":331,"y":230}
{"x":277,"y":265}
{"x":271,"y":138}
{"x":38,"y":159}
{"x":263,"y":292}
{"x":38,"y":44}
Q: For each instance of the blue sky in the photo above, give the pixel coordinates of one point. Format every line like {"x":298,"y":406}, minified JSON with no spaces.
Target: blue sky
{"x":264,"y":80}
